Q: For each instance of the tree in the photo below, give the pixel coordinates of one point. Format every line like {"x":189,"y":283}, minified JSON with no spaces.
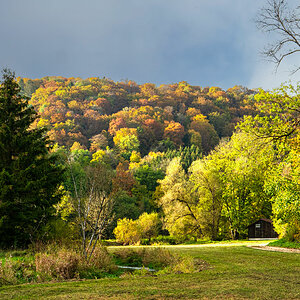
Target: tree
{"x":89,"y":185}
{"x":278,"y":115}
{"x":245,"y":162}
{"x":127,"y":232}
{"x":175,"y":132}
{"x":179,"y":203}
{"x":278,"y":122}
{"x":29,"y":175}
{"x":126,"y":140}
{"x":130,"y":231}
{"x":149,"y":225}
{"x":283,"y":187}
{"x":205,"y":176}
{"x":209,"y":136}
{"x":278,"y":18}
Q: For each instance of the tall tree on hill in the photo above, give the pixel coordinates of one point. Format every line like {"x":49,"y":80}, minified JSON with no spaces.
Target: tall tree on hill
{"x":29,"y":176}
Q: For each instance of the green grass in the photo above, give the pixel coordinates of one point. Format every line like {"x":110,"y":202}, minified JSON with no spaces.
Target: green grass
{"x":285,"y":244}
{"x":236,"y":272}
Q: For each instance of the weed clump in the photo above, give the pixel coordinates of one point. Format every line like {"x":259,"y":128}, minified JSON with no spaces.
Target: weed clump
{"x":60,"y":265}
{"x":56,"y":264}
{"x":160,"y":259}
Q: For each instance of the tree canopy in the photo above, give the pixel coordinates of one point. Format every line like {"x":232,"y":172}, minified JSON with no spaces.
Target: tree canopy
{"x":29,"y":176}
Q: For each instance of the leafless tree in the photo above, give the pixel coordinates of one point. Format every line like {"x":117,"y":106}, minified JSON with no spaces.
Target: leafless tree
{"x":279,"y":18}
{"x":93,"y":204}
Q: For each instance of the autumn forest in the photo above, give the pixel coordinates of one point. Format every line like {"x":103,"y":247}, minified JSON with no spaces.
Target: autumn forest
{"x":141,"y":163}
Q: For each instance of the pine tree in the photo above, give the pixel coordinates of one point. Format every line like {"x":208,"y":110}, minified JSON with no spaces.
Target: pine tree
{"x":29,"y":176}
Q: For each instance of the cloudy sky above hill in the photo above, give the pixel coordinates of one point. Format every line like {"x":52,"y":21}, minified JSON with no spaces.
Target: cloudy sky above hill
{"x":206,"y":43}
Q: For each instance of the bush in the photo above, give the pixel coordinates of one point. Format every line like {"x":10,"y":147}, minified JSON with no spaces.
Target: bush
{"x":167,"y":240}
{"x":101,"y":260}
{"x":159,"y":259}
{"x":17,"y":270}
{"x":130,"y":232}
{"x":127,"y":232}
{"x":149,"y":225}
{"x":285,"y":244}
{"x":129,"y":257}
{"x":63,"y":264}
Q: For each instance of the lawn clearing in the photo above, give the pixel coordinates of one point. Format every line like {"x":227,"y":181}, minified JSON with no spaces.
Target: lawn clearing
{"x":235,"y":272}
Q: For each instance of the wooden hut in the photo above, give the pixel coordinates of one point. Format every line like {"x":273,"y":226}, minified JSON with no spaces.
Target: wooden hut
{"x":262,"y":229}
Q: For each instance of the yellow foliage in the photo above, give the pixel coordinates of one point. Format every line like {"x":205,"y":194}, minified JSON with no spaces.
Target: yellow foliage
{"x":98,"y":156}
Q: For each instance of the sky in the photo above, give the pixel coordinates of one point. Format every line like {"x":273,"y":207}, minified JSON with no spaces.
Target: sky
{"x":206,"y":43}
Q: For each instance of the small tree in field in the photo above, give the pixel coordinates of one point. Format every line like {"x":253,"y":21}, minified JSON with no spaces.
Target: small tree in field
{"x":127,"y":232}
{"x":149,"y":225}
{"x":29,"y":176}
{"x":132,"y":231}
{"x":89,"y":185}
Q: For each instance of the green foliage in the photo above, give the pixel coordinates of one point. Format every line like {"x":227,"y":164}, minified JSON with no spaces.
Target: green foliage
{"x":129,"y":232}
{"x":126,"y":140}
{"x":221,"y":194}
{"x":148,"y":176}
{"x":285,"y":244}
{"x":278,"y":121}
{"x":204,"y":175}
{"x":278,"y":114}
{"x":125,"y":206}
{"x":159,"y":259}
{"x":187,"y":155}
{"x":283,"y":188}
{"x":55,"y":264}
{"x":245,"y":163}
{"x":149,"y":225}
{"x":29,"y":175}
{"x":178,"y":202}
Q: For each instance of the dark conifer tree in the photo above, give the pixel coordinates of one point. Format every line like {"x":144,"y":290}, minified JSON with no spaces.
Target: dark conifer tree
{"x":29,"y":176}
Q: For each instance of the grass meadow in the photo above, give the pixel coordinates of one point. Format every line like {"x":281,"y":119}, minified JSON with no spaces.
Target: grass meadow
{"x":234,"y":271}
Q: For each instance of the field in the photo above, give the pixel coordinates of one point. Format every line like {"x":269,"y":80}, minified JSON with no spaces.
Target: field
{"x":235,"y":272}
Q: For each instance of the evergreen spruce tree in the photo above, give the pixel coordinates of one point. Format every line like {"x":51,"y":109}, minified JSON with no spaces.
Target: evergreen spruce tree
{"x":29,"y":176}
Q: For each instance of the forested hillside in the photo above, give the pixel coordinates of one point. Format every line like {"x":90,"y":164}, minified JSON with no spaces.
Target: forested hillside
{"x":139,"y":161}
{"x":100,"y":112}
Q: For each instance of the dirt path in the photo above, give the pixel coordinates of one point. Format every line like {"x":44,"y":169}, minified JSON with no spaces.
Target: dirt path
{"x":278,"y":249}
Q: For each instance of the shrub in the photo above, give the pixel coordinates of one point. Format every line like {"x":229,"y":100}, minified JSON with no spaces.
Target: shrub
{"x":181,"y":264}
{"x":285,"y":244}
{"x":60,"y":265}
{"x":69,"y":264}
{"x":160,"y":259}
{"x":127,"y":232}
{"x":101,"y":260}
{"x":129,"y":257}
{"x":149,"y":225}
{"x":20,"y":270}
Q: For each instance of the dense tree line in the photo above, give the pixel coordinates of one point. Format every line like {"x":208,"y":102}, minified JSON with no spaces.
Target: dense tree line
{"x":134,"y":161}
{"x":100,"y":112}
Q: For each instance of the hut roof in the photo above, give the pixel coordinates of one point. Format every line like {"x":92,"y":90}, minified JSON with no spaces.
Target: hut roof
{"x":262,"y":219}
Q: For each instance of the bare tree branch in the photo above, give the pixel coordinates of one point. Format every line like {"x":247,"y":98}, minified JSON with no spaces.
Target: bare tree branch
{"x":278,"y":18}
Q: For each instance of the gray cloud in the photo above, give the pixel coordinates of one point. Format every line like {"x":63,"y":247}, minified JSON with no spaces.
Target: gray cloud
{"x":202,"y":42}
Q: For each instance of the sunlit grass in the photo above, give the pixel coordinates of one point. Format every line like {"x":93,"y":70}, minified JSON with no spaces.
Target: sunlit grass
{"x":235,"y":272}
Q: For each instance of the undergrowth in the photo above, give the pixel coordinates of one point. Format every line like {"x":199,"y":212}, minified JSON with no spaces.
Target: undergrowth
{"x":285,"y":244}
{"x":161,"y":260}
{"x":52,"y":263}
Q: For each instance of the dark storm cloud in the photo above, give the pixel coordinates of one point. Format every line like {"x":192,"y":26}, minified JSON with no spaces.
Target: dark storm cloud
{"x":161,"y":41}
